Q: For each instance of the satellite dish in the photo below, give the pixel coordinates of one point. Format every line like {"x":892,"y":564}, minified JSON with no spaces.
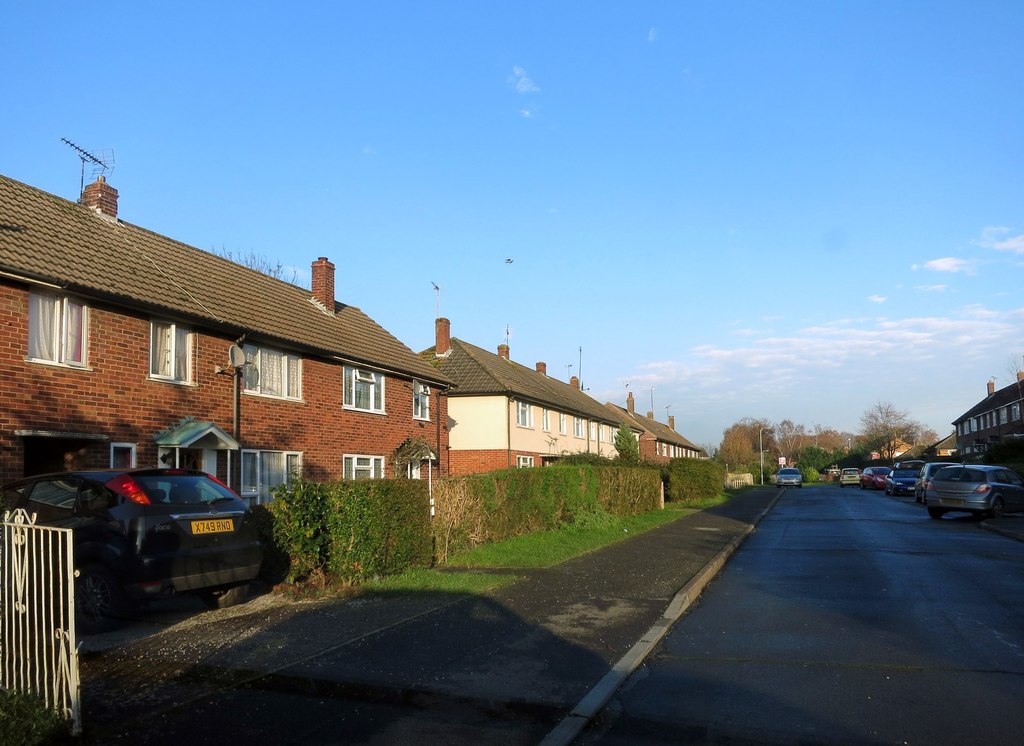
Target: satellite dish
{"x":236,"y":356}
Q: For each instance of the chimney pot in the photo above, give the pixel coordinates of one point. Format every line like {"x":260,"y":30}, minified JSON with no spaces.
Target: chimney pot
{"x":323,"y":283}
{"x":542,"y":368}
{"x":574,"y":382}
{"x":503,"y":351}
{"x":442,"y":337}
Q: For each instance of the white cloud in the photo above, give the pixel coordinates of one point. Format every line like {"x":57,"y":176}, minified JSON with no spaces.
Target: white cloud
{"x":522,"y":81}
{"x":652,"y":35}
{"x":999,"y":238}
{"x":932,"y":288}
{"x":527,"y":112}
{"x":950,"y":264}
{"x":877,"y":298}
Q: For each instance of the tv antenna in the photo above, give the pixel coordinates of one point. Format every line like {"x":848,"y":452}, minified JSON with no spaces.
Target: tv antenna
{"x":101,"y":163}
{"x":437,"y":293}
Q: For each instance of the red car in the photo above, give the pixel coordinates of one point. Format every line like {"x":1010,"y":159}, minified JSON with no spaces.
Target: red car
{"x":873,"y":478}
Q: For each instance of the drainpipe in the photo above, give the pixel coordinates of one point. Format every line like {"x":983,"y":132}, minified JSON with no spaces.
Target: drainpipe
{"x":508,"y":433}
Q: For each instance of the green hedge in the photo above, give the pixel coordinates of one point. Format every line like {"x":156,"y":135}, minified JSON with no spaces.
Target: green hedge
{"x":693,"y":480}
{"x":498,"y":505}
{"x":351,"y":530}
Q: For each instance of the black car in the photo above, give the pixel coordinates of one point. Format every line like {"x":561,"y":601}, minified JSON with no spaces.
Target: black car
{"x":143,"y":533}
{"x":901,"y":481}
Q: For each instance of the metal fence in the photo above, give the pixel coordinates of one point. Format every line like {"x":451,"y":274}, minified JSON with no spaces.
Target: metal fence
{"x":38,"y":650}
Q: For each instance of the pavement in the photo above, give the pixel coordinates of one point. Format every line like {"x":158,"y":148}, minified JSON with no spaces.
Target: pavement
{"x":531,"y":662}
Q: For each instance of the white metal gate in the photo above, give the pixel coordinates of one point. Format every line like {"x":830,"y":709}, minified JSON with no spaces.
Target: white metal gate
{"x":38,"y":650}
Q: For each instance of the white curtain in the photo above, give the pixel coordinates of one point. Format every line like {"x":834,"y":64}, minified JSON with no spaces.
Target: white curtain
{"x":41,"y":319}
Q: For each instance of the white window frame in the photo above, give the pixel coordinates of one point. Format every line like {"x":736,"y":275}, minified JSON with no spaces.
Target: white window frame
{"x":177,"y":367}
{"x":352,"y":464}
{"x":1015,"y":411}
{"x":420,"y":401}
{"x":524,"y":414}
{"x":578,"y":427}
{"x":52,"y":325}
{"x":562,"y":427}
{"x":255,"y":380}
{"x":524,"y":462}
{"x":370,"y":382}
{"x":257,"y":478}
{"x":121,"y":448}
{"x":545,"y":420}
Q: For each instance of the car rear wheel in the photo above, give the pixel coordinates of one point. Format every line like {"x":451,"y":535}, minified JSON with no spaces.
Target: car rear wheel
{"x":997,"y":508}
{"x":222,"y":598}
{"x":100,"y":602}
{"x":936,"y":512}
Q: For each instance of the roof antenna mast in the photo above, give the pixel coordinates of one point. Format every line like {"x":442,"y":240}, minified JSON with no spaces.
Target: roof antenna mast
{"x":437,"y":293}
{"x":101,"y":163}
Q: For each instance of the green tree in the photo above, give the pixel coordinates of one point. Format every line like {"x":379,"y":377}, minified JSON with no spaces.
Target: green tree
{"x":626,"y":445}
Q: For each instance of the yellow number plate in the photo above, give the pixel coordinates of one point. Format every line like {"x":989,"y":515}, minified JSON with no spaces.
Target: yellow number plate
{"x":213,"y":526}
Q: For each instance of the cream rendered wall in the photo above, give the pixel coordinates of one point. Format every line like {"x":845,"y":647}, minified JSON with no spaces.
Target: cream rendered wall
{"x":478,"y":422}
{"x":485,"y":422}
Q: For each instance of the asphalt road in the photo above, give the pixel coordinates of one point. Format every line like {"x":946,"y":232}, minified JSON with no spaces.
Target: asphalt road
{"x":849,"y":617}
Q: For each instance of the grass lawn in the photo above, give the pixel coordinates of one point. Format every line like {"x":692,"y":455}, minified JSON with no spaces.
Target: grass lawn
{"x":464,"y":572}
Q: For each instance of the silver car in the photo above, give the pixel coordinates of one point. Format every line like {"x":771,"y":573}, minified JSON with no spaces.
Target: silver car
{"x":977,"y":488}
{"x":927,"y":472}
{"x":789,"y":478}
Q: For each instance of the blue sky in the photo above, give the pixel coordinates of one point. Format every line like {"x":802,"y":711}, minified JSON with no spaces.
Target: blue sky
{"x":780,"y":210}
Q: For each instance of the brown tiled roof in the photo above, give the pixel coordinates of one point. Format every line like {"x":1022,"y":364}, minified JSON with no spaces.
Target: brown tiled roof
{"x":477,"y":372}
{"x":659,"y":430}
{"x":46,"y":238}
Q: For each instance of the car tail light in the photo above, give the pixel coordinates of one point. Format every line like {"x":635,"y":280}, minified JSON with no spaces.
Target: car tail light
{"x":983,"y":488}
{"x":129,"y":489}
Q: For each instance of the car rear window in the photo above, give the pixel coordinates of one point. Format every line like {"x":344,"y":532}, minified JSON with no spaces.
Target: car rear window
{"x":905,"y":473}
{"x":960,"y":474}
{"x":182,"y":489}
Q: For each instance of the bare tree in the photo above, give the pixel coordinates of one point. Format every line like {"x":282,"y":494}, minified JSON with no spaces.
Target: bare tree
{"x":790,"y":439}
{"x":262,"y":264}
{"x":888,"y":430}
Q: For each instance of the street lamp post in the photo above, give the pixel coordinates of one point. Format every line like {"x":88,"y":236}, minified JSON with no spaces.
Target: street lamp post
{"x":760,"y":449}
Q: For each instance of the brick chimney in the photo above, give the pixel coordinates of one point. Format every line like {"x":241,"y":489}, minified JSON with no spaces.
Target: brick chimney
{"x":323,"y":282}
{"x":672,"y":422}
{"x":442,"y":337}
{"x":991,"y":386}
{"x":650,"y":415}
{"x":629,"y":403}
{"x":503,"y":351}
{"x":574,"y":382}
{"x":100,"y":196}
{"x":542,"y":368}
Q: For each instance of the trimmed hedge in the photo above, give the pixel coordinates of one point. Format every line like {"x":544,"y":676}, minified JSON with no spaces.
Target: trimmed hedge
{"x":501,"y":504}
{"x":352,"y":530}
{"x":693,"y":480}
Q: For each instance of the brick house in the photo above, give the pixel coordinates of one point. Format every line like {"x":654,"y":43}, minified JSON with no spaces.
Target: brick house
{"x":503,"y":414}
{"x":994,"y":418}
{"x":121,"y":347}
{"x":659,"y":442}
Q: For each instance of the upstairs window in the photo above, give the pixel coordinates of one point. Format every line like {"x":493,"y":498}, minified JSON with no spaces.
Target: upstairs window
{"x":545,"y":420}
{"x":272,"y":373}
{"x":524,"y":414}
{"x":577,"y":426}
{"x":168,"y":352}
{"x":420,"y":401}
{"x":364,"y":389}
{"x":57,"y":329}
{"x":561,"y":423}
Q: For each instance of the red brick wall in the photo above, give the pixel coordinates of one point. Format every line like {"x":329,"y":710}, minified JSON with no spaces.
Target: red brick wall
{"x":114,"y":397}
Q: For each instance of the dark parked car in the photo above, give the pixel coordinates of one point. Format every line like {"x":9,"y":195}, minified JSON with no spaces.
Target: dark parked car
{"x":925,"y":477}
{"x":977,"y":488}
{"x":873,"y":477}
{"x":901,"y":481}
{"x":142,"y":533}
